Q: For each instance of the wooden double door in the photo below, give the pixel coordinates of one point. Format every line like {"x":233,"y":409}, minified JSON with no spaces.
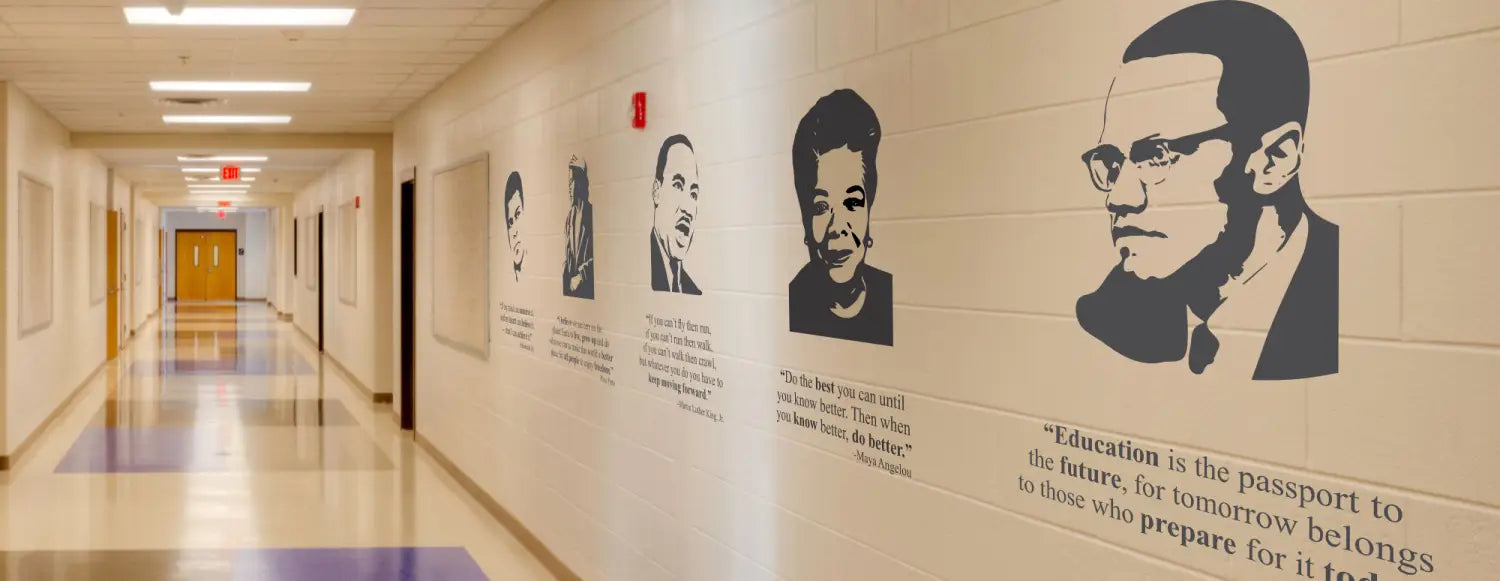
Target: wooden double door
{"x":206,"y":265}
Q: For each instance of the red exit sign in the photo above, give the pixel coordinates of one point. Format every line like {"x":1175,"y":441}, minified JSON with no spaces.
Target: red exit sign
{"x":229,"y":173}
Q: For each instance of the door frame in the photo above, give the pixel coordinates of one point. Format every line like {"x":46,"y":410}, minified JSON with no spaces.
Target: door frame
{"x":320,"y":280}
{"x":408,"y":291}
{"x":112,"y":336}
{"x":161,"y":267}
{"x":177,"y":268}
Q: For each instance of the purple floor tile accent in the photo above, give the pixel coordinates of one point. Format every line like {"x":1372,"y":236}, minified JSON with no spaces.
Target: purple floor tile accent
{"x":138,"y":450}
{"x":245,"y":411}
{"x":192,"y":449}
{"x":246,"y":366}
{"x":357,"y":564}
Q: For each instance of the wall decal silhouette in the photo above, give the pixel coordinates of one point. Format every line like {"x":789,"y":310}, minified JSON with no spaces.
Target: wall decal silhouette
{"x":578,"y":231}
{"x":838,"y":294}
{"x":515,"y":207}
{"x":1240,"y":154}
{"x":674,"y":197}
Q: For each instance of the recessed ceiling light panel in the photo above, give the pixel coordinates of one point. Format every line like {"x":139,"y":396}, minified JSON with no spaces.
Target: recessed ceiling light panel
{"x":216,"y":170}
{"x":238,"y":16}
{"x":228,"y":119}
{"x":216,"y":179}
{"x":219,"y":158}
{"x":230,"y":86}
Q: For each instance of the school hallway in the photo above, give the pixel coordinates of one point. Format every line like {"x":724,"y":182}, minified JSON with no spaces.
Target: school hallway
{"x":749,"y":290}
{"x":219,"y":445}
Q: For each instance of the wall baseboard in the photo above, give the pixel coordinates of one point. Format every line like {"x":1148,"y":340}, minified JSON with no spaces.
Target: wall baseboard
{"x":145,"y":322}
{"x":380,"y":398}
{"x":549,"y":560}
{"x":10,"y":460}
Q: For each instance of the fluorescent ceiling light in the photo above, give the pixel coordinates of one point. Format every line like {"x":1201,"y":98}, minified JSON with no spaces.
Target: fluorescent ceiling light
{"x":229,"y":119}
{"x":216,"y":179}
{"x":214,"y":158}
{"x":238,"y":16}
{"x":231,"y":86}
{"x":215,"y":170}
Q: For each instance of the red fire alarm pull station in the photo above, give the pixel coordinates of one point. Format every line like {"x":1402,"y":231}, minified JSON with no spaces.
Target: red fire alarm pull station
{"x":356,"y":202}
{"x":638,"y":102}
{"x":229,"y":173}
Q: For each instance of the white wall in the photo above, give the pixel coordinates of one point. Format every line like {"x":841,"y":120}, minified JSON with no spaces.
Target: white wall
{"x":349,"y":331}
{"x":988,"y":223}
{"x":144,"y":283}
{"x":255,"y":263}
{"x":272,"y":258}
{"x":120,"y":201}
{"x":284,"y":280}
{"x":44,"y":367}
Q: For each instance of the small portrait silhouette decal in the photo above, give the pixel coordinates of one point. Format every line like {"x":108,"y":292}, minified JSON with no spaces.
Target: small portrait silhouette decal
{"x":838,"y":294}
{"x":674,"y":198}
{"x":1242,"y":239}
{"x":515,"y":207}
{"x":578,"y":231}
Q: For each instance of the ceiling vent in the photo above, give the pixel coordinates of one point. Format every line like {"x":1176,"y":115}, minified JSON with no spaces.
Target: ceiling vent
{"x":195,"y":102}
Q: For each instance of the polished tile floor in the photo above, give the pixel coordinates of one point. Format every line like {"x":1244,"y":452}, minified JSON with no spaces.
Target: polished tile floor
{"x":219,"y":446}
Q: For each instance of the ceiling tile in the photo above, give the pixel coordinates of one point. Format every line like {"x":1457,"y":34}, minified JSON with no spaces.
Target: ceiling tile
{"x":414,"y":44}
{"x":62,"y":14}
{"x":482,"y":32}
{"x":78,"y":59}
{"x":405,"y":32}
{"x":469,"y":46}
{"x":502,"y":17}
{"x":369,"y":4}
{"x":68,"y":30}
{"x":417,"y":17}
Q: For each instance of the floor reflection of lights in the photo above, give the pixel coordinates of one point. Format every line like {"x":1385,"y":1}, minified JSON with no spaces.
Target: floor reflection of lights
{"x":264,"y":467}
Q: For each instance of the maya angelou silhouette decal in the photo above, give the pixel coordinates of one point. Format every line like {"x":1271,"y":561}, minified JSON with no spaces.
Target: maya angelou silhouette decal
{"x":674,"y":199}
{"x":838,"y":294}
{"x":515,"y":207}
{"x":1239,"y":154}
{"x":578,"y":232}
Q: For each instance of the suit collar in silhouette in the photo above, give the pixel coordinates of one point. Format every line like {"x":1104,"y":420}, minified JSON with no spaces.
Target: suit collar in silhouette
{"x":661,"y":279}
{"x":1147,"y":320}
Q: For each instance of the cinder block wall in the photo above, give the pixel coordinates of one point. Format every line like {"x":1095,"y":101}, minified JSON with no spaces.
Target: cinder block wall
{"x":990,"y":227}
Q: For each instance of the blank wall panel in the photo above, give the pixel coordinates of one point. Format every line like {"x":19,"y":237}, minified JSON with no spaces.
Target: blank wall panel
{"x":348,"y":253}
{"x":36,"y":255}
{"x":97,"y":287}
{"x":460,"y":256}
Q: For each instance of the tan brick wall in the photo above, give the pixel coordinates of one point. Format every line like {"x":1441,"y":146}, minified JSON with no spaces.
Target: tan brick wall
{"x":991,"y":230}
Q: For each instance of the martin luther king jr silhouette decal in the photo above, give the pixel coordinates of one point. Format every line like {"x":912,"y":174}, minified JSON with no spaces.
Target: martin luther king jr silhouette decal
{"x":838,"y":293}
{"x":1238,"y":156}
{"x":674,"y":199}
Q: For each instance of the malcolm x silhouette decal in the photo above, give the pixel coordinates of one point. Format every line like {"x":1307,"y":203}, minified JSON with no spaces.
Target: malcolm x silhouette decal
{"x":515,"y":207}
{"x":578,"y":231}
{"x":838,"y":294}
{"x":674,"y":197}
{"x":1238,"y":155}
